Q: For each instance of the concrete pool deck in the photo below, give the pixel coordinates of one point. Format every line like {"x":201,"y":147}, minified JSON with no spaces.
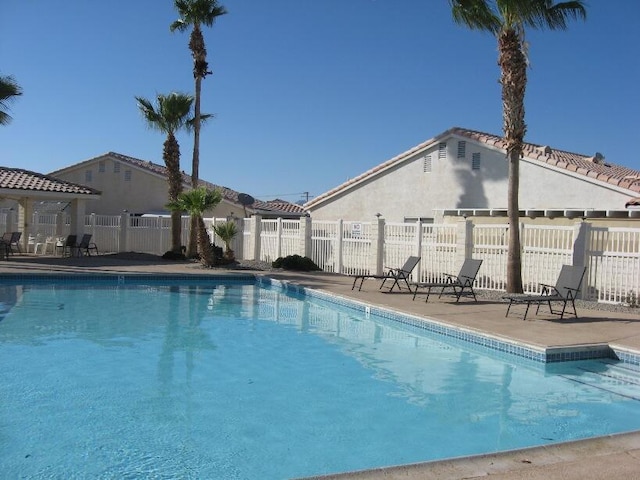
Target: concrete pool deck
{"x":613,"y":456}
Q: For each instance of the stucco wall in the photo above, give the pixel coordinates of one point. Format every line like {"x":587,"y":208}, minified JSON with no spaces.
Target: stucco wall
{"x":125,"y":187}
{"x":411,"y":190}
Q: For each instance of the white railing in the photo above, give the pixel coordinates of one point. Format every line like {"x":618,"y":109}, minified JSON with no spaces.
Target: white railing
{"x":438,"y":252}
{"x":611,"y":255}
{"x":613,"y":259}
{"x":490,"y":245}
{"x":401,"y":241}
{"x":324,"y":245}
{"x":356,"y":247}
{"x":544,"y":250}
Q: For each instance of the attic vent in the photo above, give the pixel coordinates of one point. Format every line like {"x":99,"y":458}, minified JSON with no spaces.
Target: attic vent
{"x":426,"y":164}
{"x":462,"y":149}
{"x":475,"y":161}
{"x":101,"y":166}
{"x":545,"y":149}
{"x":116,"y":167}
{"x":88,"y":177}
{"x":442,"y":150}
{"x":127,"y":175}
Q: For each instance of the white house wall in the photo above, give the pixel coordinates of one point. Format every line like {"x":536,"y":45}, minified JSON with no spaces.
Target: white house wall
{"x":406,"y":191}
{"x":128,"y":188}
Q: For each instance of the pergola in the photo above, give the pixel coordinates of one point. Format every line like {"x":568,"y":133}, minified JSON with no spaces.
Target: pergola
{"x":26,"y":187}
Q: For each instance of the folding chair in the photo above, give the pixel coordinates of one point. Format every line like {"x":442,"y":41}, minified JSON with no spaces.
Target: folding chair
{"x":85,"y":246}
{"x":395,"y":274}
{"x":459,"y":283}
{"x":67,"y":246}
{"x":564,"y":291}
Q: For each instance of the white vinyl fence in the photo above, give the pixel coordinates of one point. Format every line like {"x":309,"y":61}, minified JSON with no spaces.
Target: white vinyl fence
{"x":611,"y":255}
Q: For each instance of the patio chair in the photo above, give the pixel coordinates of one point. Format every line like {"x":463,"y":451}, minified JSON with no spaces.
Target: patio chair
{"x":13,"y":242}
{"x":395,"y":274}
{"x":66,"y":246}
{"x":460,"y":284}
{"x":85,"y":246}
{"x":564,"y":291}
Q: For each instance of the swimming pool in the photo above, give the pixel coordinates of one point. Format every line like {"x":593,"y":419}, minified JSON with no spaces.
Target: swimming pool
{"x":234,"y":380}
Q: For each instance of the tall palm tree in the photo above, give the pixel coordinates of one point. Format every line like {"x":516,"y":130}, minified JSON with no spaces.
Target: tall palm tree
{"x":171,"y":114}
{"x":9,"y":90}
{"x":507,"y":20}
{"x":194,"y":14}
{"x":196,"y":202}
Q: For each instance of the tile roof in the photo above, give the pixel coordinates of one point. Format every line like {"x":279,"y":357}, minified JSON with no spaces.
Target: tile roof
{"x":228,"y":194}
{"x":595,"y":166}
{"x":25,"y":180}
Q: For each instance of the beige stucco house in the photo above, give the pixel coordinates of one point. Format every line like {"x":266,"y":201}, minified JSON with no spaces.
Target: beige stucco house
{"x":140,"y":187}
{"x":465,"y":169}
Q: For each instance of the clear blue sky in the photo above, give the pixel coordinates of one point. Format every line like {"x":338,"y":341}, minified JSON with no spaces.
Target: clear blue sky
{"x":306,"y":94}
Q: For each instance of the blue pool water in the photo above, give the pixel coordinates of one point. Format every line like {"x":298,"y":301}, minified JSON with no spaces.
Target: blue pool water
{"x":236,"y":381}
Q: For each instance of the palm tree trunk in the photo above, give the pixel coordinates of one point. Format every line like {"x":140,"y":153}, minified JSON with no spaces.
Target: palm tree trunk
{"x":513,"y":65}
{"x":172,"y":161}
{"x":195,"y":45}
{"x":207,"y":257}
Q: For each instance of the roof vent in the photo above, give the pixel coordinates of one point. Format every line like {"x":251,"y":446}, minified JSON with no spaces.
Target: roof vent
{"x":598,"y":158}
{"x":545,"y":149}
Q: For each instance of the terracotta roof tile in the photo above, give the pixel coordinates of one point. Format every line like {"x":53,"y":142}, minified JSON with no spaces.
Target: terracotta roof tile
{"x":18,"y":179}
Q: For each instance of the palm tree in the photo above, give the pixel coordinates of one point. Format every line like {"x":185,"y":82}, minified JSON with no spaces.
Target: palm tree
{"x":194,"y":14}
{"x":507,"y":20}
{"x":9,"y":90}
{"x":171,"y":114}
{"x":196,"y":201}
{"x":227,"y":231}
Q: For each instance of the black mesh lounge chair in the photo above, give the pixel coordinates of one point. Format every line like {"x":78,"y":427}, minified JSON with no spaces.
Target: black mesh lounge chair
{"x":392,"y":274}
{"x":5,"y":245}
{"x":14,"y":242}
{"x":565,"y":292}
{"x":85,"y":246}
{"x":66,"y":248}
{"x":461,"y":284}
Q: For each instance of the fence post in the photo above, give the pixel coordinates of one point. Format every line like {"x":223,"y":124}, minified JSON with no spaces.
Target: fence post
{"x":279,"y":238}
{"x":464,"y":241}
{"x":337,"y":268}
{"x":237,"y":242}
{"x":418,"y":252}
{"x":124,"y":226}
{"x":377,"y":247}
{"x":581,"y":234}
{"x":93,"y":225}
{"x":305,"y":236}
{"x":254,"y":238}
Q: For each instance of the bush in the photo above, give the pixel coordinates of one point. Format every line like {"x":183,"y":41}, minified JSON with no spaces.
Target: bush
{"x":173,"y":256}
{"x":295,"y":262}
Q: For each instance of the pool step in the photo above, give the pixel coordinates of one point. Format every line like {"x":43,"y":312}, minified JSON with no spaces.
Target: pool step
{"x":617,"y":378}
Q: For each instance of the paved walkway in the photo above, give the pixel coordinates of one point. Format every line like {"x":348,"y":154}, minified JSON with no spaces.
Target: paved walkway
{"x":613,"y":457}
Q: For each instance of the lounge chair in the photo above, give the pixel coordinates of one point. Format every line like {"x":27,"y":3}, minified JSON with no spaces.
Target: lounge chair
{"x":395,"y":274}
{"x":85,"y":246}
{"x":12,"y":242}
{"x":459,"y":284}
{"x":67,"y":246}
{"x":565,"y":291}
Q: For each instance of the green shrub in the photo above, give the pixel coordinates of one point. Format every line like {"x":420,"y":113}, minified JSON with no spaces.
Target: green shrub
{"x":295,"y":262}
